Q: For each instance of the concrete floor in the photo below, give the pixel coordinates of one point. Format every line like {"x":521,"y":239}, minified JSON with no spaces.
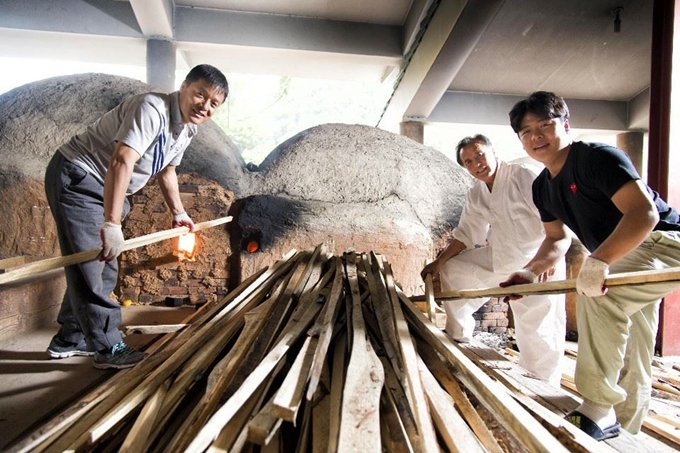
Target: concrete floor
{"x":34,"y":388}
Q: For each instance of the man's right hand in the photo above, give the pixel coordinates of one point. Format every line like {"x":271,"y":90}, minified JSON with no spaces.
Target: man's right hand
{"x":112,"y":241}
{"x":433,"y":268}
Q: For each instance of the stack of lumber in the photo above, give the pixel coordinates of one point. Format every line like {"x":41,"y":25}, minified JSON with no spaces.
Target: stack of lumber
{"x":316,"y":353}
{"x":660,"y":427}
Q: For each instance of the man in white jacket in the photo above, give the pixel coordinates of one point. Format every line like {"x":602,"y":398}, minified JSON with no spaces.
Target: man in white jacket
{"x":499,"y":231}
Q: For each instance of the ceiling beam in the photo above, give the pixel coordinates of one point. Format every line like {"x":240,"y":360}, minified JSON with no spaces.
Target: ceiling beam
{"x":417,"y":14}
{"x":155,"y":17}
{"x":91,"y":17}
{"x":417,"y":64}
{"x":473,"y":22}
{"x":286,"y":32}
{"x":480,"y":108}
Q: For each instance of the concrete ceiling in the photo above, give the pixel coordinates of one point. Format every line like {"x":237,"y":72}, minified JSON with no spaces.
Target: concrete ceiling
{"x":448,"y":60}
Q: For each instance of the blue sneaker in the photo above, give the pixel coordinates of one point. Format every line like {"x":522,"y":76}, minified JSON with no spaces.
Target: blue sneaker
{"x":59,"y":349}
{"x":119,"y":356}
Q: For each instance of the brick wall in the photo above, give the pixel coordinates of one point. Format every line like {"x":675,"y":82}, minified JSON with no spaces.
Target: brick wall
{"x":492,"y":317}
{"x":150,"y":274}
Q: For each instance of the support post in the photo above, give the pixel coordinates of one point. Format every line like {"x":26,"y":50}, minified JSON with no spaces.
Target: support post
{"x":160,"y":64}
{"x":665,"y":11}
{"x":632,"y":144}
{"x":413,"y":129}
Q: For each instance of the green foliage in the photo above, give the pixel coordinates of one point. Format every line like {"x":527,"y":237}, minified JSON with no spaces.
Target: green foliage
{"x":264,"y":111}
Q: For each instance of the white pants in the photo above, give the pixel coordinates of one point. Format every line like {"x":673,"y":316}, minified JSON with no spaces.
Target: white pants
{"x":617,"y":333}
{"x":540,"y":321}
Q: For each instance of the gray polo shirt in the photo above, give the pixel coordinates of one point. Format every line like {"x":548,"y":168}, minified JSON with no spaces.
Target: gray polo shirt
{"x":150,"y":123}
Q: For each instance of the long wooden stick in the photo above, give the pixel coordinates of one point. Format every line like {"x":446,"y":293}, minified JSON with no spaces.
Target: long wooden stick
{"x":49,"y":264}
{"x":671,"y":274}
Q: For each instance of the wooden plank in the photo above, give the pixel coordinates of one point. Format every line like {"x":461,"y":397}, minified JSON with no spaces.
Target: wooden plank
{"x":194,"y":365}
{"x":264,"y":425}
{"x":197,"y":365}
{"x":138,"y":437}
{"x":48,"y":264}
{"x":321,"y":413}
{"x":312,"y":295}
{"x":382,"y":308}
{"x":153,"y":329}
{"x":7,"y":264}
{"x":273,"y":326}
{"x":456,"y":434}
{"x":304,"y":440}
{"x":429,"y":297}
{"x":233,"y":436}
{"x":445,"y":377}
{"x":360,"y":421}
{"x":225,"y":413}
{"x":415,"y":391}
{"x":325,"y":327}
{"x":439,"y":313}
{"x":289,"y":397}
{"x":642,"y":442}
{"x":554,"y":403}
{"x":514,"y":418}
{"x":671,"y":274}
{"x":222,"y":373}
{"x":402,"y":426}
{"x":339,"y":373}
{"x":190,"y":368}
{"x":663,"y":428}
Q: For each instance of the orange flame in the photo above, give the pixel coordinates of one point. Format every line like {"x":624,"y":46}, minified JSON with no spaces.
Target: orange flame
{"x":186,"y":247}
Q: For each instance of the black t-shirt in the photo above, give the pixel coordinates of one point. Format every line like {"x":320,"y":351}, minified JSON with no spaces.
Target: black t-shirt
{"x":580,"y":195}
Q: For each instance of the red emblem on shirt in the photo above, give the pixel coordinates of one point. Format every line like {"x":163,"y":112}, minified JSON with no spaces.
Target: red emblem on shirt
{"x":573,"y":187}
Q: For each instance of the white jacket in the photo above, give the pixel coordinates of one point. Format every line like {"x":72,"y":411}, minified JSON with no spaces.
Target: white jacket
{"x":505,"y":219}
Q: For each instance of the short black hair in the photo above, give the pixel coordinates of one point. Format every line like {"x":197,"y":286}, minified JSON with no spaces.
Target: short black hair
{"x":483,"y":139}
{"x":544,"y":104}
{"x":210,"y":74}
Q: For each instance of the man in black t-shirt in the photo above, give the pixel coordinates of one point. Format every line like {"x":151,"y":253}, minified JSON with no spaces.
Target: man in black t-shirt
{"x":594,"y":190}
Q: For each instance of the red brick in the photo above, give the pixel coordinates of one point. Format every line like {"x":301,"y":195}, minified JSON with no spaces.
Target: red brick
{"x":175,"y":290}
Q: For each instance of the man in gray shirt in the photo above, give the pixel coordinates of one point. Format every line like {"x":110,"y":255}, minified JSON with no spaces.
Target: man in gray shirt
{"x":87,"y":183}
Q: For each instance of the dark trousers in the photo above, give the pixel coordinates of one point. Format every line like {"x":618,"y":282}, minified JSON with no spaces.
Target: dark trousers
{"x":76,"y":200}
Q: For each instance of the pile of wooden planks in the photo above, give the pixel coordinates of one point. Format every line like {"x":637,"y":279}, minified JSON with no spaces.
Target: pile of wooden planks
{"x":317,"y":353}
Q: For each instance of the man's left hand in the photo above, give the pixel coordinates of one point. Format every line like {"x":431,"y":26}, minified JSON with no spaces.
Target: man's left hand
{"x":521,"y":277}
{"x":183,"y":219}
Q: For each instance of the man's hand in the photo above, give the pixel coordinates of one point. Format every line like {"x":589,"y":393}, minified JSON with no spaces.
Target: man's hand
{"x":590,"y":280}
{"x":518,"y":278}
{"x":545,"y":276}
{"x":112,"y":241}
{"x":433,"y":268}
{"x":183,"y":219}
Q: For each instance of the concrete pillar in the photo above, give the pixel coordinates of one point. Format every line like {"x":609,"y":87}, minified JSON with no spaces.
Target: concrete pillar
{"x":632,"y":143}
{"x":160,"y":64}
{"x":413,"y":130}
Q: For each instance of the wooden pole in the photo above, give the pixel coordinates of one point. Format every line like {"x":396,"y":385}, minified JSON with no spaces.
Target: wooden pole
{"x":57,"y":262}
{"x":671,"y":274}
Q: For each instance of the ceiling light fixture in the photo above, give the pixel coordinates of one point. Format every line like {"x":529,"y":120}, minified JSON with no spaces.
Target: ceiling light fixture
{"x":617,"y":18}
